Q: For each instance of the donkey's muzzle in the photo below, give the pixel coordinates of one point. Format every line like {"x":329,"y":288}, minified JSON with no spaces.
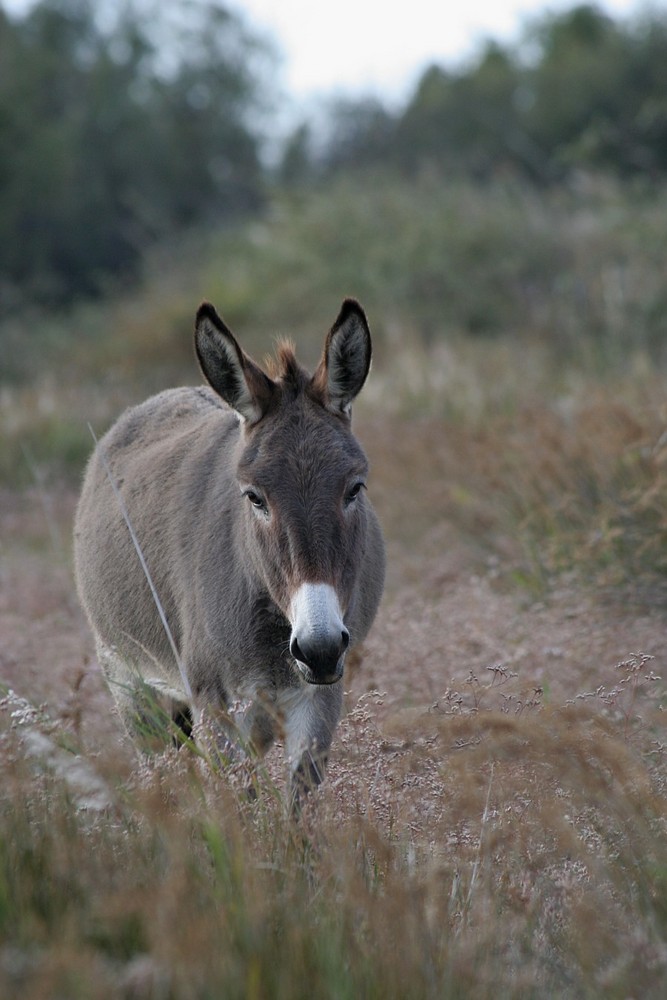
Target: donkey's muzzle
{"x":320,"y":660}
{"x":319,"y":638}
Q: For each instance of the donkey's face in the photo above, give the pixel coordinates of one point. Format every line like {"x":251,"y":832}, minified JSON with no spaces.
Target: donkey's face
{"x":301,"y":478}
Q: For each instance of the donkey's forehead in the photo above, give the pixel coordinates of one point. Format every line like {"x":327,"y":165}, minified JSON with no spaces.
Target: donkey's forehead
{"x":304,"y":434}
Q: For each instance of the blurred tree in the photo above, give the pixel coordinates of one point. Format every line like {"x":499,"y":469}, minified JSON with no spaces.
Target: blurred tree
{"x":107,"y":143}
{"x":359,"y":133}
{"x":296,"y":163}
{"x":470,"y":120}
{"x":580,"y":89}
{"x":577,"y":82}
{"x":599,"y":91}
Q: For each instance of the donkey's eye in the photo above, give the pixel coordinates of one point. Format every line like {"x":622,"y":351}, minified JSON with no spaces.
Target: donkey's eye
{"x":354,"y":492}
{"x":255,"y":499}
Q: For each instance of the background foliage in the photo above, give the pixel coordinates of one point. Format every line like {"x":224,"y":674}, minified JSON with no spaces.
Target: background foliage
{"x":116,"y":131}
{"x":123,"y":126}
{"x":579,"y":90}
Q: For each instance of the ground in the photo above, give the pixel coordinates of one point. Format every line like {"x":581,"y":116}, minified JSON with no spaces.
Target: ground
{"x":445,"y":622}
{"x":493,"y":814}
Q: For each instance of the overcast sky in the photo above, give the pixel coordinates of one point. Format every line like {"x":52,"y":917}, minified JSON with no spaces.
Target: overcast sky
{"x":355,"y":46}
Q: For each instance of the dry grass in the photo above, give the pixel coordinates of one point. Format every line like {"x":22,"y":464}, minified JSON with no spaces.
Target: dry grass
{"x":494,"y":819}
{"x":493,"y":822}
{"x":456,"y":849}
{"x":543,"y":472}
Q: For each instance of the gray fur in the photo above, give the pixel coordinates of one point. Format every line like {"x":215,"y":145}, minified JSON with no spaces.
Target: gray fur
{"x":232,"y":517}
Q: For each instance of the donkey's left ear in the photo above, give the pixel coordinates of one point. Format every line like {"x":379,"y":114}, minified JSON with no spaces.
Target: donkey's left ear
{"x":228,"y":370}
{"x":347,"y":358}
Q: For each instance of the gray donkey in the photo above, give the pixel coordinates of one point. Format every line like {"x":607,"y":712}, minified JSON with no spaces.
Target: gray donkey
{"x":226,"y":550}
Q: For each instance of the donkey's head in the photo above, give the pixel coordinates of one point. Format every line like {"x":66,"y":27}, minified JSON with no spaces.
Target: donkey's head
{"x":301,"y":478}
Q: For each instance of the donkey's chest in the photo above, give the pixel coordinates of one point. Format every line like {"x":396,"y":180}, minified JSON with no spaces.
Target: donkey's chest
{"x":256,"y":649}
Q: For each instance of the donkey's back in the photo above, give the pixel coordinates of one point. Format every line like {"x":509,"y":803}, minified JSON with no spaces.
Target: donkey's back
{"x":164,"y":461}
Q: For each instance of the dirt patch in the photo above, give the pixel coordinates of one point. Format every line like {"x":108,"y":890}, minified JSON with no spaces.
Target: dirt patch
{"x":441,"y":630}
{"x":46,"y":651}
{"x":465,"y":798}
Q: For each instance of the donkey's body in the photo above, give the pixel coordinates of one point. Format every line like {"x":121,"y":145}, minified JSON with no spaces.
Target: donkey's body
{"x":265,"y":554}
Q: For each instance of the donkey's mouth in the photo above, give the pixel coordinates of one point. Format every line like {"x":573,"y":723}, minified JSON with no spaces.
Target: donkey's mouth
{"x":310,"y":677}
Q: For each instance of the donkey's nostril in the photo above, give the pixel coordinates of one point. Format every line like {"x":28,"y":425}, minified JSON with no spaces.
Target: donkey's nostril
{"x":344,"y":639}
{"x":295,"y":650}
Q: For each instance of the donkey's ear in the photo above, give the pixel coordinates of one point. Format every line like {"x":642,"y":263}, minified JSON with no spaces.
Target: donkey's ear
{"x":227,"y":369}
{"x":346,"y":360}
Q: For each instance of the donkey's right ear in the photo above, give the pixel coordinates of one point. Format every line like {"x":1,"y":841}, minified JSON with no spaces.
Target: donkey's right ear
{"x":341,"y":373}
{"x":234,"y":376}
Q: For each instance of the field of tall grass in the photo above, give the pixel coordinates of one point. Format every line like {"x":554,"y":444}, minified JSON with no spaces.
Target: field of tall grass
{"x":494,"y":820}
{"x":473,"y":852}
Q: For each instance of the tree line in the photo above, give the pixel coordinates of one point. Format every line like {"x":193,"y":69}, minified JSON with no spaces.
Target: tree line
{"x":578,"y":90}
{"x":122,"y":125}
{"x":119,"y":125}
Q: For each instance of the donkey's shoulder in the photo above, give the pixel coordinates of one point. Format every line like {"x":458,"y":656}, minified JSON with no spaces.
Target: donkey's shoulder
{"x":184,"y":402}
{"x":167,"y":415}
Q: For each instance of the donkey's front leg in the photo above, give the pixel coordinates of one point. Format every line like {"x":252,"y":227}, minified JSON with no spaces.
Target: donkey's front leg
{"x":235,"y":734}
{"x":311,"y":713}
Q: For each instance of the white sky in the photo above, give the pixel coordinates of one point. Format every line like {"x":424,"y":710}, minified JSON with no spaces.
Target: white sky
{"x":380,"y":47}
{"x":375,"y":46}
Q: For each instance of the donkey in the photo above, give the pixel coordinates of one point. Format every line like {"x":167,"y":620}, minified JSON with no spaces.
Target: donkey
{"x":226,"y":551}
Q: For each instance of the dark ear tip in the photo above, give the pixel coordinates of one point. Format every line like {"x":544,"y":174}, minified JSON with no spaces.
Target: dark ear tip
{"x":207,"y":311}
{"x":350,"y":306}
{"x":208,"y":314}
{"x":351,"y":310}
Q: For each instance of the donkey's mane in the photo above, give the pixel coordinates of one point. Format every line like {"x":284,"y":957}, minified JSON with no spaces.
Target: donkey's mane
{"x":284,"y":366}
